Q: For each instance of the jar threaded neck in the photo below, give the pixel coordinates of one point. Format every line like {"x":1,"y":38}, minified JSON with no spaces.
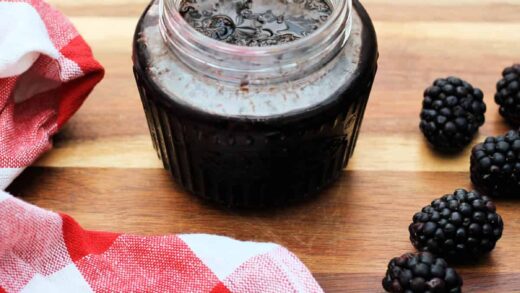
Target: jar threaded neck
{"x":255,"y":65}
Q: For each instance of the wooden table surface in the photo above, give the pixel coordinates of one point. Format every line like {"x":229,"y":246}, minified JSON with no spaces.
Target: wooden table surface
{"x":103,"y":170}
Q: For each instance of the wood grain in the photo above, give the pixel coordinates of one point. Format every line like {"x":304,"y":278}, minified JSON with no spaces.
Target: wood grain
{"x":103,"y":170}
{"x":352,"y":228}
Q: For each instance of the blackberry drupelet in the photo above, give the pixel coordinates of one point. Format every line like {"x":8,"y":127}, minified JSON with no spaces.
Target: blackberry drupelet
{"x":453,"y":110}
{"x":462,"y":225}
{"x":421,"y":272}
{"x":508,"y":94}
{"x":495,"y":165}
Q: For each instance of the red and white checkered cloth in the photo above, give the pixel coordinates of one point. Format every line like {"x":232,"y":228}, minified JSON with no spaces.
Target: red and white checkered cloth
{"x":46,"y":72}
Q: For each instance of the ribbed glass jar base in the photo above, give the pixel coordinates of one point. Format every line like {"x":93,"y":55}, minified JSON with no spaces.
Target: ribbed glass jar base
{"x":254,"y":164}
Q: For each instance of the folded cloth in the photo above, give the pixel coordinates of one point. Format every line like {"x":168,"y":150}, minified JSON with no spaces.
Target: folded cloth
{"x":42,"y":251}
{"x":46,"y":72}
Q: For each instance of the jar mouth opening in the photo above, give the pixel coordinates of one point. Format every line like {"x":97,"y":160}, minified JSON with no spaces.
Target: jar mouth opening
{"x":171,"y":7}
{"x":250,"y":64}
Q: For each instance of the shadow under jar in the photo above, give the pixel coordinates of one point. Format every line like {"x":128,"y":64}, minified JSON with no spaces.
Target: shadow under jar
{"x":255,"y":126}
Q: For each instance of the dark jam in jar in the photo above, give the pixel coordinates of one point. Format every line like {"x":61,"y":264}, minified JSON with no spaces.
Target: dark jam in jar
{"x":269,"y":122}
{"x":255,"y":22}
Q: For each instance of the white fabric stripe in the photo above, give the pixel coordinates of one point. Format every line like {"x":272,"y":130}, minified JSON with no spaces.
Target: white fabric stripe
{"x":23,"y":37}
{"x":32,"y":83}
{"x":7,"y":175}
{"x":68,"y":279}
{"x":4,"y":195}
{"x":224,"y":255}
{"x":292,"y":269}
{"x":69,"y":69}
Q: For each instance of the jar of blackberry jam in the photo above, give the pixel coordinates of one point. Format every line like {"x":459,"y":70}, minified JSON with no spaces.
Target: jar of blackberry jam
{"x":255,"y":103}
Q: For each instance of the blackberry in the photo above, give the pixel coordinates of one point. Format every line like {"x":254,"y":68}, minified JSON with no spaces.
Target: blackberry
{"x":421,"y":272}
{"x":508,"y":94}
{"x":495,"y":165}
{"x":453,"y":110}
{"x":462,"y":225}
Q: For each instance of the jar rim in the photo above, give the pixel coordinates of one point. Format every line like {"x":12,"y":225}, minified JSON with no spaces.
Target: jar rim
{"x":252,"y":65}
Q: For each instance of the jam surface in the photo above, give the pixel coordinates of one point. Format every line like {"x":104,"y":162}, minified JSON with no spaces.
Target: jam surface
{"x":255,"y":23}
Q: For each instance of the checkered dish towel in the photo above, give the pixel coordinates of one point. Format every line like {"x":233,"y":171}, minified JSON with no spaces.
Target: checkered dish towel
{"x":46,"y":72}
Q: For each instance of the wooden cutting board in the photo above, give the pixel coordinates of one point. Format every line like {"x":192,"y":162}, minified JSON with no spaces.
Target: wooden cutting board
{"x":104,"y":172}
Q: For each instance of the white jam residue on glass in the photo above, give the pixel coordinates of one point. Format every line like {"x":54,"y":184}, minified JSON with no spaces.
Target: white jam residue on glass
{"x":212,"y":96}
{"x":257,"y":23}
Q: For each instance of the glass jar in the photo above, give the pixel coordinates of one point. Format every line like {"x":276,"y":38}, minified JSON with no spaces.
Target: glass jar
{"x":254,"y":126}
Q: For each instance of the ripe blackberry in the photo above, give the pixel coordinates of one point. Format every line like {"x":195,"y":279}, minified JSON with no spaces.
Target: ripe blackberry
{"x":495,"y":165}
{"x":462,"y":225}
{"x":452,"y":113}
{"x":508,"y":94}
{"x":421,"y":272}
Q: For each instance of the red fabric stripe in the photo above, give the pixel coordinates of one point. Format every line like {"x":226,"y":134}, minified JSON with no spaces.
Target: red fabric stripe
{"x":26,"y":126}
{"x":74,"y":93}
{"x":34,"y":105}
{"x":220,"y":288}
{"x":81,"y":243}
{"x":146,"y":264}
